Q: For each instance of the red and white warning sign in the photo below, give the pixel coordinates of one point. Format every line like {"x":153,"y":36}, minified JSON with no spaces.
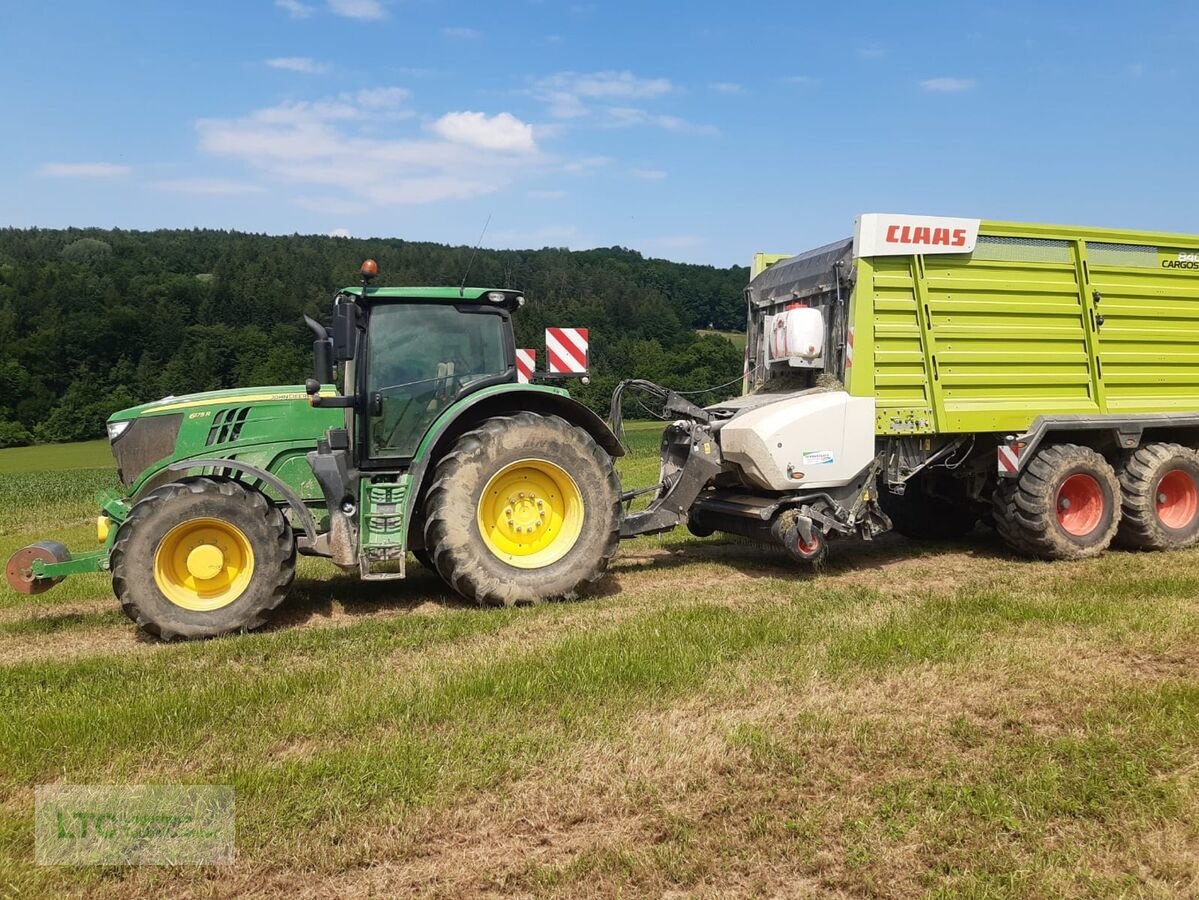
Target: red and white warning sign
{"x":566,"y":350}
{"x":1008,"y":460}
{"x":526,"y":364}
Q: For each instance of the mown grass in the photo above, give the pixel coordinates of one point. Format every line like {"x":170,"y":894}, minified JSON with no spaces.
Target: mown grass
{"x":932,"y":719}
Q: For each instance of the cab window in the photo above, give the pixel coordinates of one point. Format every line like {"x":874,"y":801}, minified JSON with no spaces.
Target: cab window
{"x":420,"y":358}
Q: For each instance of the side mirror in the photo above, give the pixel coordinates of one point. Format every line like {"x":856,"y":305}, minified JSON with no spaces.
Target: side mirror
{"x":322,"y":352}
{"x":345,"y":331}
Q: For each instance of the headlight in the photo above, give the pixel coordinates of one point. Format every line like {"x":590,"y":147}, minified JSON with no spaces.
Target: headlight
{"x":116,"y":429}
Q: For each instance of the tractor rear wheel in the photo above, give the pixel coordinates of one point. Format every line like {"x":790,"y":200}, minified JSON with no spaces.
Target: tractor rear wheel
{"x":1159,"y":484}
{"x":523,"y":508}
{"x":1064,"y":505}
{"x":202,"y":557}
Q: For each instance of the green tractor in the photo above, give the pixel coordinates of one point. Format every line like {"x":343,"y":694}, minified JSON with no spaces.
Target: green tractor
{"x":506,"y":489}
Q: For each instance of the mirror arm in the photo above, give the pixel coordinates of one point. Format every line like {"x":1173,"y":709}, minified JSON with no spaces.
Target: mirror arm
{"x":312,"y":388}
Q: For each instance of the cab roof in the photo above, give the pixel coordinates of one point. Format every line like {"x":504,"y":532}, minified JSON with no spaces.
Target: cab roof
{"x":434,"y":294}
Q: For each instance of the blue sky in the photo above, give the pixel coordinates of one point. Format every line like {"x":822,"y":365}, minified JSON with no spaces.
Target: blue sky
{"x":698,"y":131}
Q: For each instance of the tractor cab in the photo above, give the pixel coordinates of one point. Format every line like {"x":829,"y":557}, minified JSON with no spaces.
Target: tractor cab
{"x":409,"y":354}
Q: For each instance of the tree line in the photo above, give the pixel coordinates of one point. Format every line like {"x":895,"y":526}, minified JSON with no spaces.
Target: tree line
{"x":92,"y":320}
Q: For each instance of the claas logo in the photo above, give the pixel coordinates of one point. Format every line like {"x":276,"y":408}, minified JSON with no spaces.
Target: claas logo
{"x":932,"y":237}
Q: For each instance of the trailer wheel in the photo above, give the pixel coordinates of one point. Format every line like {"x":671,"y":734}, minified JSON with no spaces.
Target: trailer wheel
{"x":202,"y":557}
{"x":922,"y":517}
{"x":1159,"y":486}
{"x":1064,"y":505}
{"x":810,"y":552}
{"x":522,"y":509}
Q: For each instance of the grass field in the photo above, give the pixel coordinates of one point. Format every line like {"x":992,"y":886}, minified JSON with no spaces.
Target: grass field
{"x":917,"y":719}
{"x":737,"y":338}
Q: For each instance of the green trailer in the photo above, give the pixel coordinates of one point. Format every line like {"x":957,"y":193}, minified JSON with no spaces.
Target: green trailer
{"x":929,"y":373}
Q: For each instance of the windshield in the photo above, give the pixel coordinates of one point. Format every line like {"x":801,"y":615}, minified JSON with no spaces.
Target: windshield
{"x":420,"y":358}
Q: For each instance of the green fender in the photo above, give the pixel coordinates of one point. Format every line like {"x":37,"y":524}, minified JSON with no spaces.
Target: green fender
{"x":498,"y":400}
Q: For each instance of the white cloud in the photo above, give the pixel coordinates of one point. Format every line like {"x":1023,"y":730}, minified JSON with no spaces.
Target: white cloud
{"x":340,"y":233}
{"x":382,"y":98}
{"x":295,"y":8}
{"x":569,"y":94}
{"x":1135,"y":70}
{"x":587,"y":164}
{"x":354,"y":151}
{"x":805,"y":80}
{"x":459,"y":33}
{"x":726,"y":87}
{"x":600,"y":85}
{"x":547,"y":195}
{"x":648,"y":174}
{"x":211,"y":186}
{"x":502,"y":131}
{"x":304,"y":64}
{"x":363,"y":10}
{"x":948,"y":85}
{"x":625,"y":116}
{"x":83,"y":170}
{"x":872,"y":51}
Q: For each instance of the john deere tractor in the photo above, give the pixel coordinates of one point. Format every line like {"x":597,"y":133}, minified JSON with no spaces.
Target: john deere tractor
{"x":432,"y":445}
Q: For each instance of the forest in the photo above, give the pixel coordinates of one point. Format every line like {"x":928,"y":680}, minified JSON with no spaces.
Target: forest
{"x":92,"y":321}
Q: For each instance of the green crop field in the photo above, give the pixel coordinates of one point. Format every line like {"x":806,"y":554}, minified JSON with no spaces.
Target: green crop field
{"x":736,"y":338}
{"x":916,"y":719}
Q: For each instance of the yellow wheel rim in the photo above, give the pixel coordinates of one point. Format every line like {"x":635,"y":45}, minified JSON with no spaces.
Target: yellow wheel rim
{"x":530,"y":514}
{"x":203,"y":564}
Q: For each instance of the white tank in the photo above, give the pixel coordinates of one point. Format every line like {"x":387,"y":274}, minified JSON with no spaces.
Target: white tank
{"x":796,"y":337}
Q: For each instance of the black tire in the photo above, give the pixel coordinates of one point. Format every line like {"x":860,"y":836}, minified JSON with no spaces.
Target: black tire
{"x":153,"y":517}
{"x":425,"y":559}
{"x":1036,"y":517}
{"x":811,"y":553}
{"x":921,"y":517}
{"x":697,"y":528}
{"x":452,"y":532}
{"x":1151,"y":477}
{"x":1003,"y":517}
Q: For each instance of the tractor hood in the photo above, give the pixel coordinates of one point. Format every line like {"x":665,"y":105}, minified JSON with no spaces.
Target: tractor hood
{"x":260,"y":426}
{"x":282,"y":394}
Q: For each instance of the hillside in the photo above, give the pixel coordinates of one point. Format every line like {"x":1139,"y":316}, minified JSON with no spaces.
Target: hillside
{"x":92,"y":320}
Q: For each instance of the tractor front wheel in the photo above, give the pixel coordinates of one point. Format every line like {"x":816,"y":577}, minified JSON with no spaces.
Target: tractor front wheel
{"x":523,"y":508}
{"x":202,"y":557}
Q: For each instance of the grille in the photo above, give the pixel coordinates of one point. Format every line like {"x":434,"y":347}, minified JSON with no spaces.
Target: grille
{"x":1138,"y":256}
{"x":226,"y":425}
{"x":1017,"y":249}
{"x":145,"y":441}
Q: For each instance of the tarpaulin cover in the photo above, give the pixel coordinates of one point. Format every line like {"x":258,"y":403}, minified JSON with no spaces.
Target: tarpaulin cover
{"x":808,"y":273}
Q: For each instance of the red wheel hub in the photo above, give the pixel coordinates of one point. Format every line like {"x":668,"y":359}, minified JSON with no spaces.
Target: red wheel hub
{"x":1080,"y":504}
{"x":1177,"y":499}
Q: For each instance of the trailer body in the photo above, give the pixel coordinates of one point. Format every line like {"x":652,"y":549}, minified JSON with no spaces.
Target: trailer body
{"x":1035,"y":320}
{"x":929,"y":372}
